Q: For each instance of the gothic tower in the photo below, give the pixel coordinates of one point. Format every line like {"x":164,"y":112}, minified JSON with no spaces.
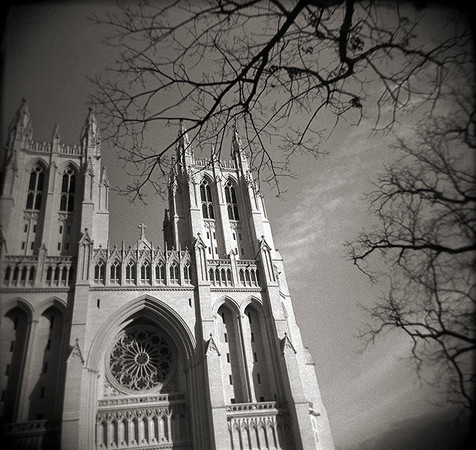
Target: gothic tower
{"x":190,"y":346}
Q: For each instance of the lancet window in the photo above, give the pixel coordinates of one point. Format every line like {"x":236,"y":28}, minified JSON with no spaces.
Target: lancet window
{"x":115,"y":272}
{"x":186,"y":273}
{"x":99,"y":272}
{"x":160,"y":273}
{"x":174,"y":273}
{"x":231,"y":203}
{"x":145,"y":272}
{"x":67,"y":190}
{"x":206,"y":198}
{"x":130,"y":272}
{"x":35,"y":188}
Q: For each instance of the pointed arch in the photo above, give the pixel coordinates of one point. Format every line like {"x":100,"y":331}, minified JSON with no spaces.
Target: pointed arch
{"x":228,"y":301}
{"x":231,"y":199}
{"x":48,"y":303}
{"x":157,"y":311}
{"x":206,"y":197}
{"x":15,"y":331}
{"x":68,"y":188}
{"x":254,"y":301}
{"x":20,"y":303}
{"x":37,"y":183}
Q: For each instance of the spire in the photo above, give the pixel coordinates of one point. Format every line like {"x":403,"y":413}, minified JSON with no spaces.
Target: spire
{"x":21,"y":127}
{"x":236,"y":144}
{"x":56,"y":133}
{"x":90,"y":136}
{"x":104,"y":177}
{"x":183,"y":143}
{"x":238,"y":154}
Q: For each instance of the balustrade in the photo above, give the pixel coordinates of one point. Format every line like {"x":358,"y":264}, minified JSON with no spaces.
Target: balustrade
{"x":139,"y":426}
{"x":258,"y":425}
{"x":21,"y":271}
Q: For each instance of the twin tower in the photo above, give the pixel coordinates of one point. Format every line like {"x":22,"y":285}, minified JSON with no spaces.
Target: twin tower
{"x":190,"y":346}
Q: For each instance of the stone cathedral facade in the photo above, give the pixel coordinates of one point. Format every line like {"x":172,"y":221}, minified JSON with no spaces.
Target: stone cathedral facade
{"x":189,"y":346}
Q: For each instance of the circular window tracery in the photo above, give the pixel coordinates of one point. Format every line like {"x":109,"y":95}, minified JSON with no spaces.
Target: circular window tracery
{"x":140,"y":359}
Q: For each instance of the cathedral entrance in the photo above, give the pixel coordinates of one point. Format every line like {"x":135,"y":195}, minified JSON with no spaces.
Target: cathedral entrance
{"x":142,"y":392}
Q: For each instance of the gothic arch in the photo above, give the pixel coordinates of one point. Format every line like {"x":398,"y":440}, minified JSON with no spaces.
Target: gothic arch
{"x":69,"y":163}
{"x":254,"y":301}
{"x":232,"y":179}
{"x":227,"y":301}
{"x":174,"y":327}
{"x":16,"y":324}
{"x":52,"y":301}
{"x":37,"y":160}
{"x":161,"y":313}
{"x":20,"y":303}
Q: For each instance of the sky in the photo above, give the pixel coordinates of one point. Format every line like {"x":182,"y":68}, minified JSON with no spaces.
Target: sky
{"x":373,"y":397}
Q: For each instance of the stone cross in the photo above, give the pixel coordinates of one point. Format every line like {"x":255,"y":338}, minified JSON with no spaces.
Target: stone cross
{"x":142,"y":230}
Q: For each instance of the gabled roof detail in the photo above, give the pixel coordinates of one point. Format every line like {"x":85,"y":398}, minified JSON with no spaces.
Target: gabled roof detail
{"x":287,"y":345}
{"x":104,"y":177}
{"x":85,"y":238}
{"x":76,"y":353}
{"x":263,"y":245}
{"x":211,"y":347}
{"x":199,"y":242}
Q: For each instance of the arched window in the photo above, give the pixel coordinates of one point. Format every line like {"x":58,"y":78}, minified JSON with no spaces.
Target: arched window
{"x":206,"y":197}
{"x":49,"y":274}
{"x":145,"y":272}
{"x":31,"y":276}
{"x":24,"y":272}
{"x":67,"y":190}
{"x":115,"y":272}
{"x":99,"y":272}
{"x":186,"y":273}
{"x":160,"y":273}
{"x":130,"y":272}
{"x":173,"y":273}
{"x":231,"y":203}
{"x":35,"y":188}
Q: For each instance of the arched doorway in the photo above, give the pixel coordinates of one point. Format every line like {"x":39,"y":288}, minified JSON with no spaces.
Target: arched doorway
{"x":143,"y":397}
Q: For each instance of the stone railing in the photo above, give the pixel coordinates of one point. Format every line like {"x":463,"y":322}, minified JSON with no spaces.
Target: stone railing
{"x":258,"y":425}
{"x":226,"y":272}
{"x":47,"y":147}
{"x":29,"y":271}
{"x":40,"y":147}
{"x":160,"y":421}
{"x":70,"y":150}
{"x":141,"y":267}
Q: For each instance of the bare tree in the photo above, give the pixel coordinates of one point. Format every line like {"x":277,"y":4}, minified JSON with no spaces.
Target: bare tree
{"x":288,"y":70}
{"x":425,"y":233}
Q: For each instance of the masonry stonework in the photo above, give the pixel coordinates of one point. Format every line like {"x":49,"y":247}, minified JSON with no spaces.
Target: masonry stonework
{"x":189,"y":346}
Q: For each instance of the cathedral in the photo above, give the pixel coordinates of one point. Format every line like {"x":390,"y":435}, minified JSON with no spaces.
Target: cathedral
{"x":190,"y":346}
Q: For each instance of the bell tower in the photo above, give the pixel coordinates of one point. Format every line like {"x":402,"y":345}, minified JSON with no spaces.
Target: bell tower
{"x":254,"y":347}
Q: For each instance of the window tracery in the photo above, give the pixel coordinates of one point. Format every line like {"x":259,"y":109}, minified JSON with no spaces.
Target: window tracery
{"x":67,"y":190}
{"x":206,"y":198}
{"x":35,"y":188}
{"x":231,"y":202}
{"x":141,"y":359}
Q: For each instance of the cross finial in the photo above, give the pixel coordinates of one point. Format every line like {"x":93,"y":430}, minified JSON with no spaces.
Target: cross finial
{"x":142,"y":230}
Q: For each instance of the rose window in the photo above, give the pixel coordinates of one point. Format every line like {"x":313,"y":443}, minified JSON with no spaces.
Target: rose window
{"x":141,"y":359}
